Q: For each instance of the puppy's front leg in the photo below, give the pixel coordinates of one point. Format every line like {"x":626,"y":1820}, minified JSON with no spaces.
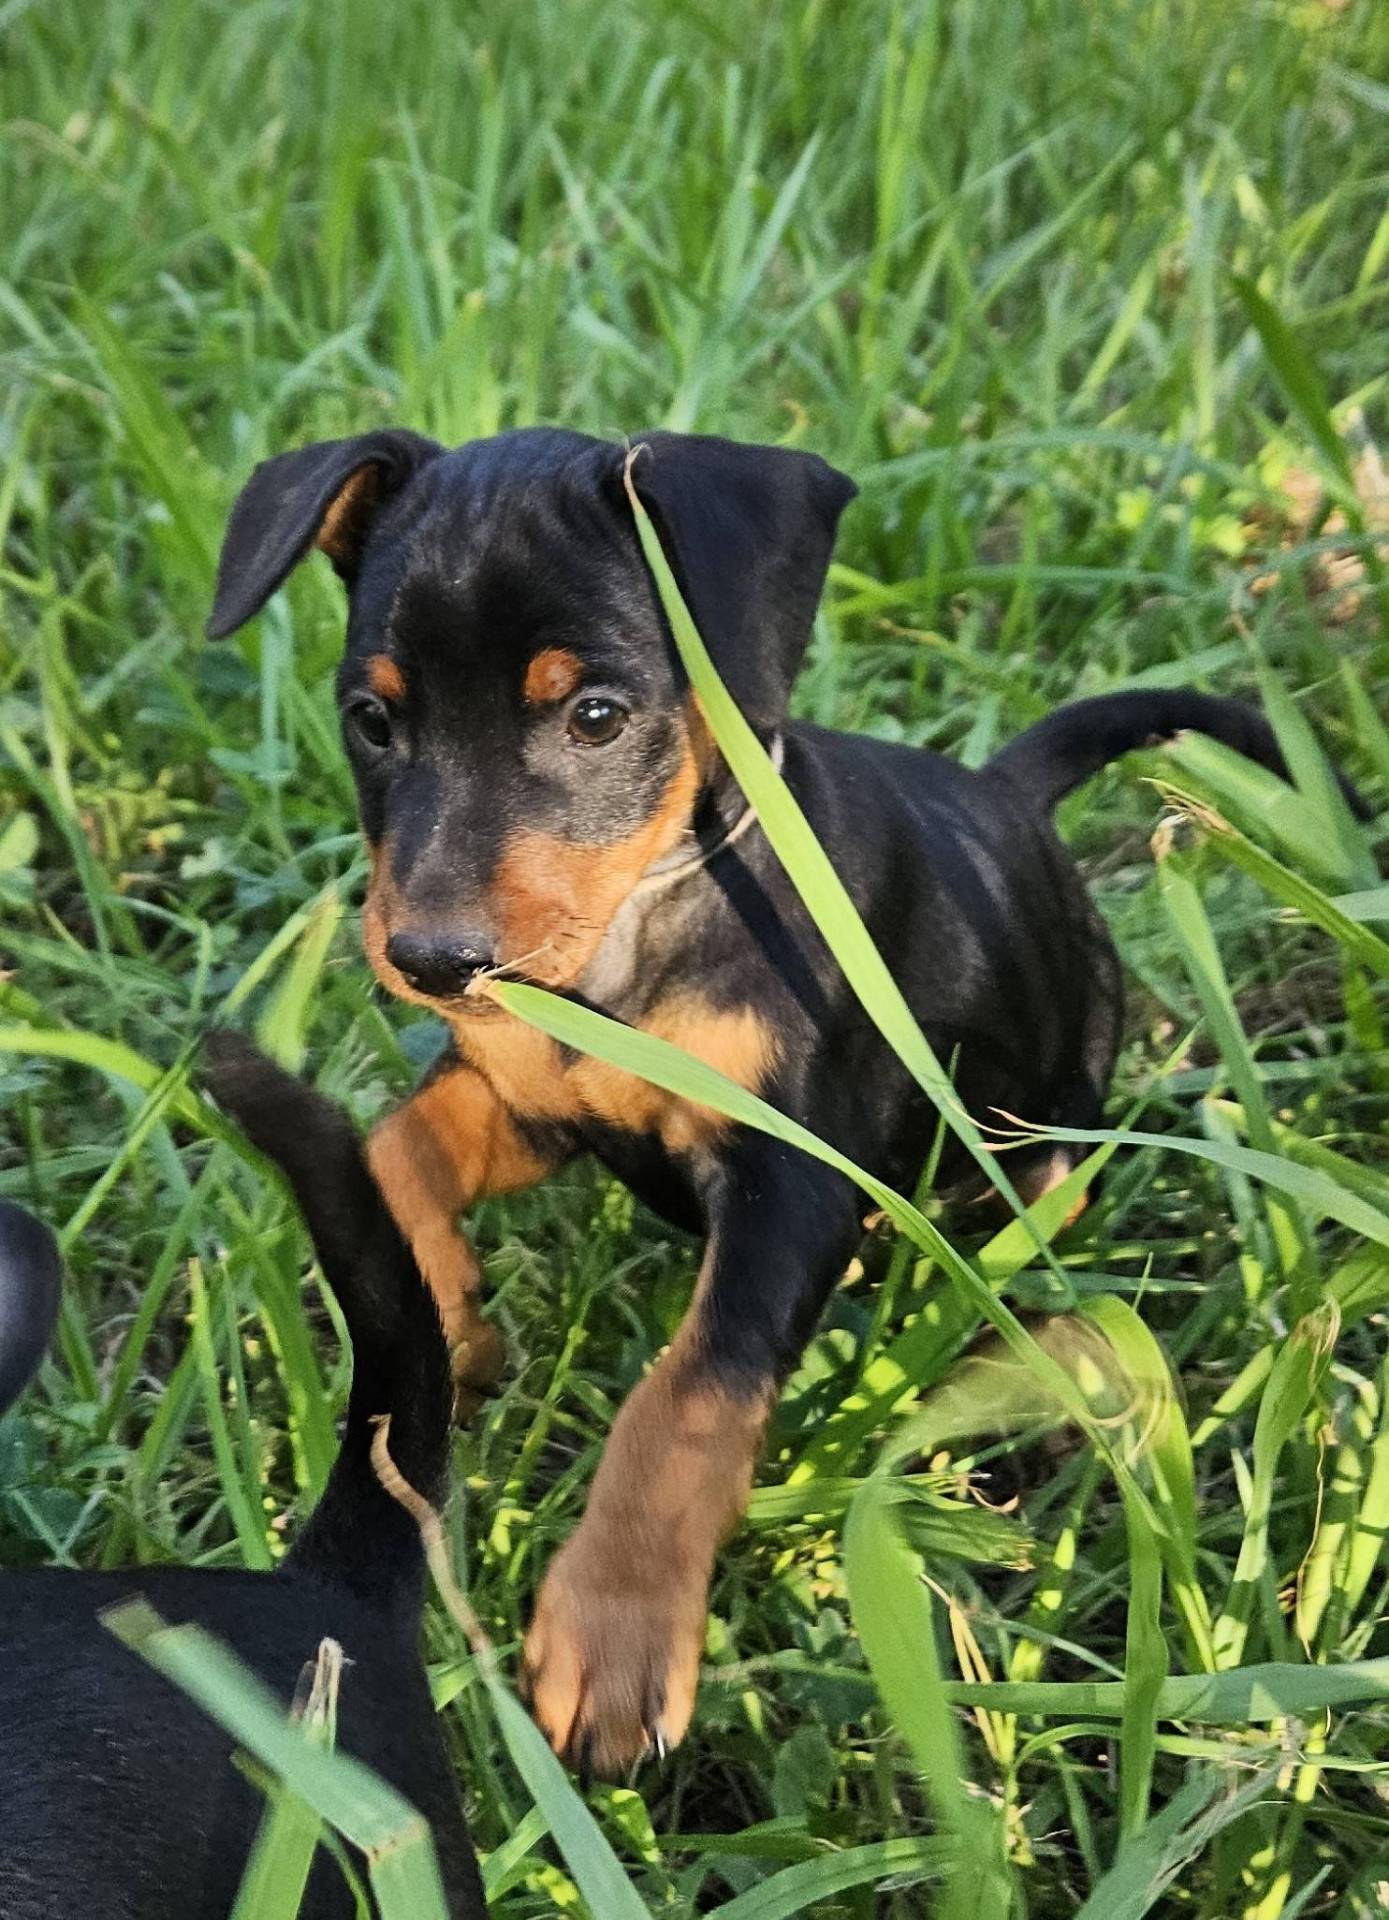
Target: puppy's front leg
{"x":452,"y":1141}
{"x":612,"y":1657}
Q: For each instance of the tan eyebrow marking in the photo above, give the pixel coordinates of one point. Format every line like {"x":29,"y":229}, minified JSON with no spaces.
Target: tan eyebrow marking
{"x":553,"y":673}
{"x":385,"y":678}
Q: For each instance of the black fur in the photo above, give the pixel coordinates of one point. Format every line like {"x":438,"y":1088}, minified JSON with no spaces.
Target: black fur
{"x":117,"y":1795}
{"x":1062,"y":752}
{"x":749,"y":529}
{"x":749,"y":532}
{"x":282,"y":506}
{"x":31,"y":1290}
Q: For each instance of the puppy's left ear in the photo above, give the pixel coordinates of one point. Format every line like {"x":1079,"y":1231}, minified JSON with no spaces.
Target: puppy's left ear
{"x":748,"y":531}
{"x":327,"y":496}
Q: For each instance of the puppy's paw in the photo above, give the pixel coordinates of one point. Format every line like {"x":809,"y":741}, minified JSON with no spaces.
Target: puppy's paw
{"x":612,"y":1656}
{"x":479,"y":1358}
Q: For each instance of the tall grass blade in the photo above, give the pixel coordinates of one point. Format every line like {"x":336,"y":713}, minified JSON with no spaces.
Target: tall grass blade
{"x":892,"y":1612}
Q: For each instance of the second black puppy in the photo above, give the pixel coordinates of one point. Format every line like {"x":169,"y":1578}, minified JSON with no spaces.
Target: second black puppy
{"x":540,"y":795}
{"x":117,"y":1795}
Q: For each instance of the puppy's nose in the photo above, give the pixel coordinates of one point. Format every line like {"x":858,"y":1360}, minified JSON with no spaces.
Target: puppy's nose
{"x":440,"y":964}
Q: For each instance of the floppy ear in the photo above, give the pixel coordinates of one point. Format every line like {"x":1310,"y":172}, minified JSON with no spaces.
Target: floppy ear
{"x":748,"y":531}
{"x":324,"y":496}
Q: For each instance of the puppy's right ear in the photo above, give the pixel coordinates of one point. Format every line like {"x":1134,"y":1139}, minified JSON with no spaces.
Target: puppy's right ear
{"x":320,"y":496}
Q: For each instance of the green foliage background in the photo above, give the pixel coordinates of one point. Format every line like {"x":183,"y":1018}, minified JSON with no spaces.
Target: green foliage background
{"x":1092,"y":301}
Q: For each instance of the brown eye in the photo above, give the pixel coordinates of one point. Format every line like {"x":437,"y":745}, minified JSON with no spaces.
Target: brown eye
{"x":595,"y":720}
{"x":371,"y":722}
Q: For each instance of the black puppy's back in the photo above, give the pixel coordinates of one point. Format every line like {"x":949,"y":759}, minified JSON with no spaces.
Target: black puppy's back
{"x":117,"y":1794}
{"x":112,"y":1779}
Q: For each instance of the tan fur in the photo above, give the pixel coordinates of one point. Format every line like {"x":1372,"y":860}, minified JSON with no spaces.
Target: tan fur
{"x":340,"y":531}
{"x":530,"y":1075}
{"x":553,"y":899}
{"x":431,"y":1158}
{"x":1033,"y":1182}
{"x":379,"y":913}
{"x":612,"y":1656}
{"x":381,"y":917}
{"x":524,"y":1066}
{"x":1041,"y":1179}
{"x":735,"y":1041}
{"x":552,"y":675}
{"x":385,"y":678}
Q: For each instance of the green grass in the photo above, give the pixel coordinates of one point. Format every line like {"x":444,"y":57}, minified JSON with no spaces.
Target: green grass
{"x":1069,"y":289}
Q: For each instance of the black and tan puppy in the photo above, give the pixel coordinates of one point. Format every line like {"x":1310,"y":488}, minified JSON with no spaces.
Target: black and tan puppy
{"x":117,"y":1795}
{"x":539,"y":796}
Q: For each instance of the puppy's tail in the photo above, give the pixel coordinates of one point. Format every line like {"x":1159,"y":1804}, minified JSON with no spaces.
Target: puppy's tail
{"x":31,"y":1291}
{"x":358,"y":1534}
{"x":1062,"y":752}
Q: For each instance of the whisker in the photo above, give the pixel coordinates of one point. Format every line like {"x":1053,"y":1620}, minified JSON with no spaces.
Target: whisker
{"x":480,"y":980}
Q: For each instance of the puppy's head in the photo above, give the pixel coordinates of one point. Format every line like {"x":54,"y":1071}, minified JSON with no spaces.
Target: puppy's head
{"x":512,"y":705}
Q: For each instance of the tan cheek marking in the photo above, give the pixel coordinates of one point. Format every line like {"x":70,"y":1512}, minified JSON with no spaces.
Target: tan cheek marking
{"x":376,"y":910}
{"x":555,"y":898}
{"x":341,"y":528}
{"x":378,"y":916}
{"x":551,"y":675}
{"x":702,"y":744}
{"x":379,"y":912}
{"x":385,"y":678}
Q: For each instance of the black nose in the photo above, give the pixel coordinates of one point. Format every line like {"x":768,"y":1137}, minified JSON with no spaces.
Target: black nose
{"x":440,"y":963}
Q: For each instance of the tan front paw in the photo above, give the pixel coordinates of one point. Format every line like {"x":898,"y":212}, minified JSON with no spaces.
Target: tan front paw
{"x":612,"y":1657}
{"x":479,"y":1355}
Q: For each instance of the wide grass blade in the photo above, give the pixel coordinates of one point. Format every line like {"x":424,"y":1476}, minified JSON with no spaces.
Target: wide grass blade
{"x":809,"y":867}
{"x":277,"y":1872}
{"x":1261,"y":802}
{"x":587,"y":1853}
{"x":1314,"y":780}
{"x":282,"y":1028}
{"x":1201,"y":955}
{"x":801,"y":1888}
{"x":1300,"y":382}
{"x":892,"y":1611}
{"x":1292,"y":1386}
{"x":1324,"y":1197}
{"x":1289,"y":888}
{"x":914,"y":1358}
{"x":1235,"y":1697}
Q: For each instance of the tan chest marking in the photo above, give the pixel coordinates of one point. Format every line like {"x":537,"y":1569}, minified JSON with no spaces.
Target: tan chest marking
{"x":531,"y":1077}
